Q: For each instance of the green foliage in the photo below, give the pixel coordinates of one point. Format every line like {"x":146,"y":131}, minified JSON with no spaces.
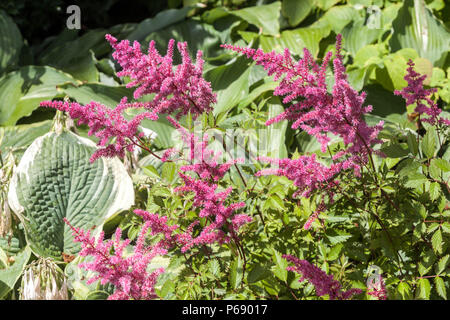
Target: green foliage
{"x":396,"y":215}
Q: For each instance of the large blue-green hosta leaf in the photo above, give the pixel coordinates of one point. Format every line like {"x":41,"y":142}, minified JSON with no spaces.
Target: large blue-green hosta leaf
{"x":22,"y":90}
{"x":10,"y":42}
{"x":10,"y":275}
{"x":55,"y":180}
{"x":416,"y":27}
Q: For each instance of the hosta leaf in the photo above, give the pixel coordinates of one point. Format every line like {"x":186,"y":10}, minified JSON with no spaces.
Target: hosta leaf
{"x":10,"y":42}
{"x":296,"y":11}
{"x":10,"y":275}
{"x":162,"y":20}
{"x":264,"y":17}
{"x":230,"y":81}
{"x":55,"y":180}
{"x":416,"y":27}
{"x":296,"y":40}
{"x":110,"y":96}
{"x":19,"y":137}
{"x":22,"y":90}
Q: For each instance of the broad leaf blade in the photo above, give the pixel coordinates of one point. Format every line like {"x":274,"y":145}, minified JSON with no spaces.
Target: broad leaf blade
{"x":55,"y":180}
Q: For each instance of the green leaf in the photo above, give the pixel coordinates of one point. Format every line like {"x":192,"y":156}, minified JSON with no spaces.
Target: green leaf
{"x":162,"y":20}
{"x":338,"y":17}
{"x":19,"y":137}
{"x":442,"y":264}
{"x":326,"y":4}
{"x":416,"y":27}
{"x":413,"y":145}
{"x":395,"y":151}
{"x":11,"y":42}
{"x":199,"y":36}
{"x":356,"y":36}
{"x":97,"y":295}
{"x":214,"y":267}
{"x":442,"y":164}
{"x":21,"y":91}
{"x":296,"y":11}
{"x":10,"y":275}
{"x":436,"y":241}
{"x":296,"y":40}
{"x":55,"y":180}
{"x":435,"y":190}
{"x":280,"y":266}
{"x":424,"y":289}
{"x":262,"y":16}
{"x":405,"y":290}
{"x":236,"y":272}
{"x":230,"y":82}
{"x":257,"y":273}
{"x":440,"y":287}
{"x":335,"y":252}
{"x":428,"y":143}
{"x":85,"y":93}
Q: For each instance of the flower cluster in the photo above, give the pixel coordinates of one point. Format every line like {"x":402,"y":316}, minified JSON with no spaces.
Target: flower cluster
{"x":324,"y":284}
{"x":223,"y":222}
{"x":182,"y":90}
{"x":44,"y":280}
{"x":414,"y":93}
{"x":319,"y":113}
{"x":129,"y":274}
{"x":312,"y":108}
{"x":116,"y":134}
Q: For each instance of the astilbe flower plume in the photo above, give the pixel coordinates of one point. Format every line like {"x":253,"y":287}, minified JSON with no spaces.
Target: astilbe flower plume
{"x":179,"y":90}
{"x":312,"y":108}
{"x":415,"y":93}
{"x":319,"y":113}
{"x":323,"y":283}
{"x":211,"y":202}
{"x":128,"y":274}
{"x":116,"y":134}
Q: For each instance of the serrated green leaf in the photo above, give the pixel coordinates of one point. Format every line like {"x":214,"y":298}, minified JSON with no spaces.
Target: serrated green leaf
{"x":280,"y":265}
{"x":440,"y":287}
{"x":257,"y":273}
{"x":428,"y":143}
{"x":436,"y":241}
{"x":442,"y":264}
{"x":424,"y":289}
{"x":236,"y":272}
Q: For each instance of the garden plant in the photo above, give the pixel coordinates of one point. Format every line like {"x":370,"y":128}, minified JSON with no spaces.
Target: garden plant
{"x":229,"y":150}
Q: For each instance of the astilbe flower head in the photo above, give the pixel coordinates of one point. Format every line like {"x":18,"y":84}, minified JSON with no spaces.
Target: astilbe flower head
{"x":312,"y":108}
{"x":207,"y":170}
{"x":323,"y":283}
{"x":128,"y":274}
{"x":415,"y":93}
{"x":116,"y":134}
{"x":179,"y":90}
